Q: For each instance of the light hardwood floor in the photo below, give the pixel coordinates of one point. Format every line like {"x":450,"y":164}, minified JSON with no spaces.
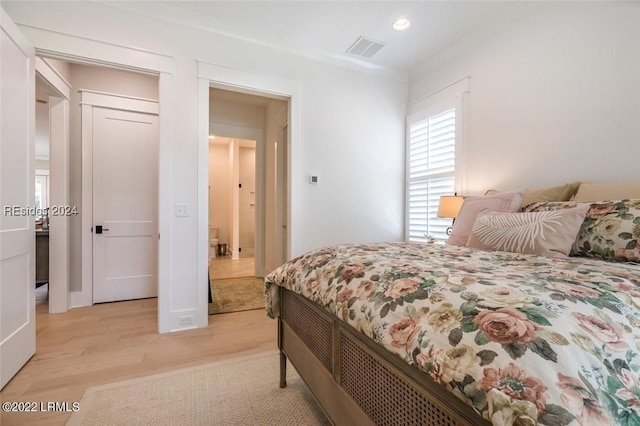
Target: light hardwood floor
{"x":117,"y":341}
{"x":225,"y":267}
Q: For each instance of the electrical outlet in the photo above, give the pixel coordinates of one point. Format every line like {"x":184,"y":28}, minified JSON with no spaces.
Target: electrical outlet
{"x":186,"y":320}
{"x":182,"y":210}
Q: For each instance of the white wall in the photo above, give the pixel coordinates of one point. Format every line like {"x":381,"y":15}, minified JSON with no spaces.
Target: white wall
{"x":555,"y":97}
{"x":103,"y":80}
{"x":233,"y":200}
{"x":62,"y":67}
{"x":219,"y":190}
{"x":276,"y":115}
{"x":42,"y":130}
{"x":247,"y":212}
{"x":353,"y":135}
{"x":351,"y":131}
{"x":227,"y":112}
{"x":42,"y":164}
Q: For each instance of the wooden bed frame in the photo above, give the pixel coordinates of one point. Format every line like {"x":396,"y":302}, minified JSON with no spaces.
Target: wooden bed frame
{"x":355,"y":380}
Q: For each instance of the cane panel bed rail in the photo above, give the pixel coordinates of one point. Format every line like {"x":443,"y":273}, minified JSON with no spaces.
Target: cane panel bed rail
{"x":404,"y":333}
{"x":355,"y":380}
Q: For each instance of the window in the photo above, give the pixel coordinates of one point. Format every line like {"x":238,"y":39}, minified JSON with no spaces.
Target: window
{"x":434,"y":163}
{"x":42,"y":192}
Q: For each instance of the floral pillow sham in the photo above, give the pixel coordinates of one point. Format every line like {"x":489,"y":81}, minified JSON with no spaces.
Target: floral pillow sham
{"x":610,"y":231}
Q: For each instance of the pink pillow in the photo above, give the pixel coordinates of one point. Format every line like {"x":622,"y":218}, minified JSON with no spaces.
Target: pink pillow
{"x":501,"y":202}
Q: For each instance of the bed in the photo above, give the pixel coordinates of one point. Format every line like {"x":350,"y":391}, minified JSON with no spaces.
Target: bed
{"x":433,"y":334}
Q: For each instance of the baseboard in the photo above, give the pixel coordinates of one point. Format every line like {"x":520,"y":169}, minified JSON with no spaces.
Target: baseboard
{"x":77,"y":300}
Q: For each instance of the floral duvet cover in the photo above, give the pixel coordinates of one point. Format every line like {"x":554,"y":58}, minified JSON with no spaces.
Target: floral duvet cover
{"x":523,"y":339}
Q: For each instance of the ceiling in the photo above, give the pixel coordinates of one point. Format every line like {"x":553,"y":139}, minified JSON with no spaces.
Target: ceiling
{"x":326,"y":29}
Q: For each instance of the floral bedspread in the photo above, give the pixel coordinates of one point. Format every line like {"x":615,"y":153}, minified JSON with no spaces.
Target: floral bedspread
{"x":523,"y":339}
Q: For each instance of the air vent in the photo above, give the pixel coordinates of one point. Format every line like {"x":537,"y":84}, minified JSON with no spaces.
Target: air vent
{"x":365,"y":47}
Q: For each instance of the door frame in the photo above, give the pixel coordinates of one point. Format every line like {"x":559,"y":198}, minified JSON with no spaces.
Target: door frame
{"x":67,"y":47}
{"x":223,"y":77}
{"x":282,"y":202}
{"x":88,"y":100}
{"x":59,"y":104}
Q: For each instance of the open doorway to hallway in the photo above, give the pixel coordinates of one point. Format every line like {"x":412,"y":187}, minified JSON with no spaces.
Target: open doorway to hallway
{"x":232,"y":217}
{"x":67,"y":191}
{"x":42,"y":188}
{"x":232,"y":203}
{"x":246,"y":188}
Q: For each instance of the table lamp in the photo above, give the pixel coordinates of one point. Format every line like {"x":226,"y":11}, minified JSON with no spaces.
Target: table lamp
{"x":449,"y":207}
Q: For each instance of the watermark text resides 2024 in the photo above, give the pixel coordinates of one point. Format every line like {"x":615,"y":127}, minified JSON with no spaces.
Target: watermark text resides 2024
{"x":39,"y":212}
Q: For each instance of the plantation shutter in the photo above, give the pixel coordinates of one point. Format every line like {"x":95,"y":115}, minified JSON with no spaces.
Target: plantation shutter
{"x":431,"y":172}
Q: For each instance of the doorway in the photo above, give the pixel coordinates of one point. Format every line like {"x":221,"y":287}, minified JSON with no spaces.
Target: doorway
{"x":19,"y":68}
{"x":42,"y":188}
{"x":235,"y":286}
{"x":232,"y":213}
{"x":67,"y":280}
{"x":245,"y":196}
{"x":52,"y":94}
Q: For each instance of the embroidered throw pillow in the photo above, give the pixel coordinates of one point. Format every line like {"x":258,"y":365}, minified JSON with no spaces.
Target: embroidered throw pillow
{"x":501,"y":202}
{"x":545,"y":233}
{"x":610,"y":231}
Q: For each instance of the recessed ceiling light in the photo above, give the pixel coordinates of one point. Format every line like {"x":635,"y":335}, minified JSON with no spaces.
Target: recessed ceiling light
{"x":401,"y":24}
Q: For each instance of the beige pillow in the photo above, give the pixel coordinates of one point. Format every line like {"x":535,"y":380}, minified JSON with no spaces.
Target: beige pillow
{"x":589,"y":192}
{"x":554,"y":193}
{"x":547,"y":233}
{"x":502,"y":202}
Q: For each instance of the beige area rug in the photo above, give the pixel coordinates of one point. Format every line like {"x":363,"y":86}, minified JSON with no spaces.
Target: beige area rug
{"x":236,"y":294}
{"x":240,"y":391}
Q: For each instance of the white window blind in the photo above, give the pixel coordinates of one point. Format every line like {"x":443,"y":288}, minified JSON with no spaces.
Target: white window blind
{"x":431,"y":172}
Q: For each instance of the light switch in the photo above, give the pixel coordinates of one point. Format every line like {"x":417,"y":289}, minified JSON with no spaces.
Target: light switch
{"x":182,"y":210}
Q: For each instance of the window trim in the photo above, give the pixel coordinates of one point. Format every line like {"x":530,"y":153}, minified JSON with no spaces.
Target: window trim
{"x":454,"y":95}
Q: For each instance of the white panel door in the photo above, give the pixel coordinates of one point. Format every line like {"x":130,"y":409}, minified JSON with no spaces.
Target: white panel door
{"x":17,"y":230}
{"x":125,"y":189}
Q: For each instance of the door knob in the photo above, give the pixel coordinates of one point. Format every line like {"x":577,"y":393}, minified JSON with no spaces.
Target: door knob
{"x":100,"y":229}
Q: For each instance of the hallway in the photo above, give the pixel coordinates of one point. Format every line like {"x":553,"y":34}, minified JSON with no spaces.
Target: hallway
{"x":225,"y":267}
